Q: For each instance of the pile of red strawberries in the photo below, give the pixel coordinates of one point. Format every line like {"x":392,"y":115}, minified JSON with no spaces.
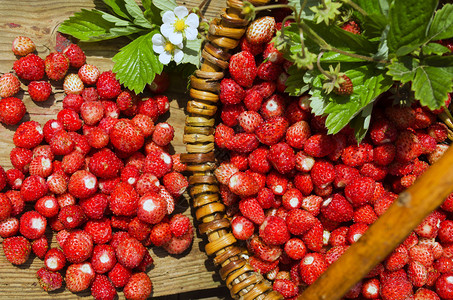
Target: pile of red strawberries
{"x":99,"y":175}
{"x":299,"y":197}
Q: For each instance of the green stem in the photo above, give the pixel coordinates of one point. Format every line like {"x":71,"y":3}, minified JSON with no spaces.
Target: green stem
{"x":284,"y":21}
{"x":318,"y":64}
{"x":356,"y":7}
{"x":274,"y":6}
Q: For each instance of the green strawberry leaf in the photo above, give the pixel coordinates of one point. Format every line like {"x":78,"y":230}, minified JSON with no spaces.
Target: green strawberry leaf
{"x":409,"y":20}
{"x":94,"y":25}
{"x":368,"y":84}
{"x":118,"y":7}
{"x":361,"y":122}
{"x":192,"y":52}
{"x":403,"y":69}
{"x":442,"y":24}
{"x":137,"y":14}
{"x":136,"y":64}
{"x":376,"y":19}
{"x":431,"y":85}
{"x":306,"y":13}
{"x":152,"y":13}
{"x":295,"y":82}
{"x":165,"y":5}
{"x":434,"y":48}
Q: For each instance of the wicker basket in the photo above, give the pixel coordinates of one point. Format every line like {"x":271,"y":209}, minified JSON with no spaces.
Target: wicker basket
{"x":406,"y":213}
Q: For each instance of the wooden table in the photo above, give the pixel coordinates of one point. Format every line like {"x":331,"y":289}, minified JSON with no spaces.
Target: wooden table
{"x":39,"y":20}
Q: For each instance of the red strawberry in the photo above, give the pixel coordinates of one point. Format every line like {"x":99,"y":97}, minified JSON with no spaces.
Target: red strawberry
{"x":163,"y":134}
{"x":30,"y":67}
{"x":429,"y":227}
{"x":299,"y":221}
{"x":352,"y":27}
{"x":249,"y":121}
{"x":243,"y":68}
{"x":417,"y":273}
{"x":54,"y":259}
{"x":370,"y":288}
{"x":252,"y":48}
{"x":124,"y":200}
{"x":230,"y":113}
{"x":160,"y":83}
{"x":274,"y":231}
{"x":356,"y":231}
{"x":382,"y":131}
{"x":89,"y":74}
{"x":9,"y":227}
{"x":273,"y":106}
{"x":251,"y":209}
{"x":47,"y":206}
{"x":158,"y":163}
{"x":319,"y":145}
{"x":444,"y":286}
{"x":48,"y":280}
{"x":282,"y":157}
{"x":103,"y":258}
{"x":78,"y":246}
{"x":72,"y":84}
{"x":396,"y":289}
{"x":177,"y":245}
{"x":357,"y":155}
{"x":231,"y":92}
{"x":272,"y":130}
{"x":103,"y":288}
{"x":397,"y":259}
{"x":408,"y":146}
{"x":79,"y":277}
{"x":311,"y":267}
{"x":285,"y":287}
{"x":138,"y":287}
{"x":152,"y":208}
{"x":253,"y":100}
{"x":175,"y":183}
{"x":9,"y":85}
{"x":23,"y":45}
{"x":261,"y":30}
{"x":33,"y":188}
{"x":425,"y":294}
{"x":257,"y":160}
{"x":107,"y":85}
{"x":242,"y":227}
{"x":119,"y":275}
{"x":70,"y":119}
{"x":271,"y":53}
{"x":297,"y":134}
{"x":12,"y":110}
{"x":17,"y":249}
{"x":365,"y":214}
{"x":57,"y":65}
{"x":268,"y":70}
{"x":345,"y":87}
{"x":145,"y":124}
{"x":160,"y":234}
{"x":28,"y":135}
{"x":243,"y":184}
{"x":242,"y":143}
{"x":39,"y":91}
{"x":360,"y":191}
{"x":402,"y":117}
{"x":75,"y":55}
{"x":126,"y":137}
{"x":336,"y":208}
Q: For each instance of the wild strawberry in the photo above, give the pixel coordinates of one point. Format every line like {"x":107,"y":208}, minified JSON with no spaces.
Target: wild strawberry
{"x":356,"y":231}
{"x":312,"y":204}
{"x":138,"y":229}
{"x":103,"y":258}
{"x":261,"y":30}
{"x":436,"y":154}
{"x":126,"y":137}
{"x":253,"y":100}
{"x":14,"y":177}
{"x":352,"y":27}
{"x":100,"y":230}
{"x":108,"y":86}
{"x":360,"y":191}
{"x":407,"y":146}
{"x":91,"y":112}
{"x":255,"y":49}
{"x":285,"y":287}
{"x":242,"y":143}
{"x":429,"y":227}
{"x":273,"y":106}
{"x":249,"y":121}
{"x":258,"y":162}
{"x":9,"y":85}
{"x":163,"y":134}
{"x":311,"y":267}
{"x":124,"y":200}
{"x":30,"y":67}
{"x":20,"y":158}
{"x":130,"y":252}
{"x":292,"y":198}
{"x":397,"y":259}
{"x":78,"y":246}
{"x":396,"y":289}
{"x":319,"y":145}
{"x":9,"y":227}
{"x":12,"y":110}
{"x":160,"y":234}
{"x":158,"y":163}
{"x":39,"y":91}
{"x":79,"y":277}
{"x":345,"y":86}
{"x":72,"y":216}
{"x":425,"y":294}
{"x":438,"y":131}
{"x":402,"y":117}
{"x":119,"y":275}
{"x":75,"y":55}
{"x":243,"y":184}
{"x":336,"y":208}
{"x":146,"y":125}
{"x":54,"y":259}
{"x":230,"y":113}
{"x":334,"y":253}
{"x":268,"y":70}
{"x":175,"y":183}
{"x":17,"y":249}
{"x":57,"y":65}
{"x":48,"y":280}
{"x":70,"y":119}
{"x":18,"y":204}
{"x":243,"y":69}
{"x":138,"y":287}
{"x":103,"y":288}
{"x":146,"y":183}
{"x":41,"y":166}
{"x":105,"y":164}
{"x":297,"y":134}
{"x":282,"y":157}
{"x":51,"y":127}
{"x":89,"y":74}
{"x":82,"y":184}
{"x":299,"y":221}
{"x":231,"y":92}
{"x":370,"y":288}
{"x":33,"y":188}
{"x":178,"y":245}
{"x":73,"y":84}
{"x":242,"y":227}
{"x":23,"y":45}
{"x":274,"y":231}
{"x":28,"y":135}
{"x":47,"y":206}
{"x":151,"y":208}
{"x":272,"y":131}
{"x":271,"y":53}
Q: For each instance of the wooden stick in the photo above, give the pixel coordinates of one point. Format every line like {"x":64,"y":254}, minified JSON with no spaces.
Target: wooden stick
{"x":390,"y":230}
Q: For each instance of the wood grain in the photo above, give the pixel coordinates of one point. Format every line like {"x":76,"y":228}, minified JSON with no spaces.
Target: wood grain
{"x":390,"y":230}
{"x":39,"y":20}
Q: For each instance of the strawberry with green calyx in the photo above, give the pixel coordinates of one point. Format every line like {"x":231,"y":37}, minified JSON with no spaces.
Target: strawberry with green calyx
{"x":338,"y":82}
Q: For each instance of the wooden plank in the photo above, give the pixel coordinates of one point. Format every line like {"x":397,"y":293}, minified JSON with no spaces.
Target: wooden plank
{"x":390,"y":230}
{"x":39,"y":20}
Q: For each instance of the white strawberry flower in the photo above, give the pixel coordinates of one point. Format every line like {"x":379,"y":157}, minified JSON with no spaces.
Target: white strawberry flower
{"x":166,"y":49}
{"x":179,"y":24}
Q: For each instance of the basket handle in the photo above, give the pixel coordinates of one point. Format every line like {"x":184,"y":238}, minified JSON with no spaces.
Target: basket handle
{"x":390,"y":230}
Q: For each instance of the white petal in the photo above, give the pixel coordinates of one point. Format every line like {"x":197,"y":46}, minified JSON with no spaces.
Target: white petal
{"x":158,"y":39}
{"x":175,"y":38}
{"x":158,"y":48}
{"x":180,"y":45}
{"x":178,"y":55}
{"x":181,"y":12}
{"x":192,"y":20}
{"x":165,"y":58}
{"x":168,"y":17}
{"x":191,"y":33}
{"x":167,"y":30}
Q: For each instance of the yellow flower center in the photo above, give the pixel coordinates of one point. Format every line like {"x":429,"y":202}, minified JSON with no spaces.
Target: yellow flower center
{"x":180,"y":25}
{"x":169,"y":47}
